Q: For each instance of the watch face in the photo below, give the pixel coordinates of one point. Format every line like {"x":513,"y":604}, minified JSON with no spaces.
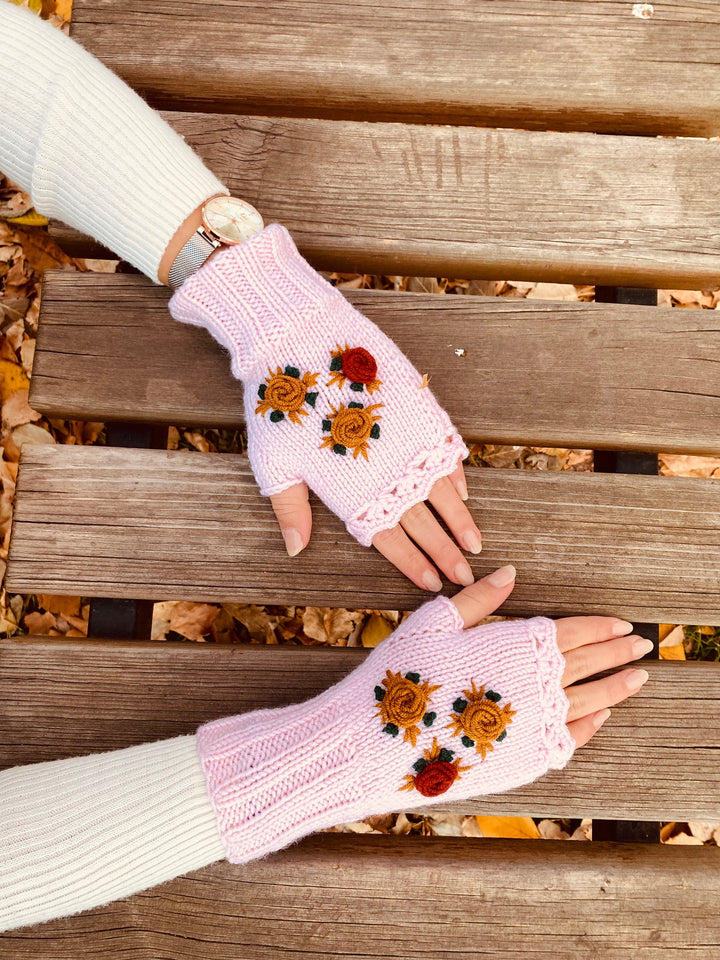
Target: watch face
{"x":231,"y":219}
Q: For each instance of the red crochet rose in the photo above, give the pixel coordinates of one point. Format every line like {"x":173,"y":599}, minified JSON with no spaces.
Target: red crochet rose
{"x":358,"y":365}
{"x":436,"y":778}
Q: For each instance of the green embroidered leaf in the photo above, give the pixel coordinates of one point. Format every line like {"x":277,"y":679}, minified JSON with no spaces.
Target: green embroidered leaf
{"x":429,"y":719}
{"x":277,"y":415}
{"x":446,"y":755}
{"x":379,"y":693}
{"x":491,"y":695}
{"x":358,"y":406}
{"x":261,"y":390}
{"x":292,"y":372}
{"x":336,"y":363}
{"x":358,"y":387}
{"x":414,"y":677}
{"x":339,"y":448}
{"x":502,"y":736}
{"x":375,"y":432}
{"x":311,"y":398}
{"x":391,"y":729}
{"x":326,"y":425}
{"x":420,"y":764}
{"x":467,"y":742}
{"x":459,"y":705}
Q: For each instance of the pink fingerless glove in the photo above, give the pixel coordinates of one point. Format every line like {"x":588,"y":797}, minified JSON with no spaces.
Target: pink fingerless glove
{"x":329,"y":399}
{"x":434,"y":711}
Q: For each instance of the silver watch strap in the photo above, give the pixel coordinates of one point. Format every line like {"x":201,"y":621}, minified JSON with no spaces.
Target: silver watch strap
{"x":192,"y":256}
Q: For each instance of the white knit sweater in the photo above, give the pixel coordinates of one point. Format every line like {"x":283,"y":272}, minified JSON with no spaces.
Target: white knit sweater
{"x":88,"y":149}
{"x":82,"y":832}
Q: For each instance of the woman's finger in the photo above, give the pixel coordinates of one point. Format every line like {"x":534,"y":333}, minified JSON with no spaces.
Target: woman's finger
{"x":457,"y":478}
{"x":293,"y":513}
{"x":419,"y":524}
{"x":583,"y":729}
{"x":589,"y":697}
{"x":398,"y":548}
{"x":573,"y":632}
{"x":446,"y":500}
{"x":483,"y":597}
{"x":595,"y":657}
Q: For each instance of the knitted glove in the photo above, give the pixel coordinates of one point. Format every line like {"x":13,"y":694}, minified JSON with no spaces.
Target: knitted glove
{"x":434,"y":710}
{"x":329,"y":399}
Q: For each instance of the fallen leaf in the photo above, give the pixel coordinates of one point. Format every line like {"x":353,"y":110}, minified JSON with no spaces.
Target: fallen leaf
{"x":672,"y":647}
{"x":66,"y":606}
{"x":17,"y":411}
{"x":703,"y":831}
{"x":328,"y":624}
{"x":192,"y":620}
{"x":375,"y":631}
{"x":39,"y":623}
{"x":524,"y":827}
{"x":30,"y":433}
{"x":12,"y":379}
{"x":684,"y":839}
{"x":549,"y":830}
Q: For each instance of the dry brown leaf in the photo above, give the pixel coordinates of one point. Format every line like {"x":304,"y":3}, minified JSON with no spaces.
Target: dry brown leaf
{"x":192,"y":620}
{"x":682,"y":465}
{"x":704,"y":831}
{"x":549,"y":830}
{"x":329,"y":624}
{"x":255,"y":620}
{"x":39,"y":622}
{"x":553,"y":291}
{"x":66,"y":606}
{"x":29,"y":433}
{"x":684,"y":839}
{"x":17,"y":411}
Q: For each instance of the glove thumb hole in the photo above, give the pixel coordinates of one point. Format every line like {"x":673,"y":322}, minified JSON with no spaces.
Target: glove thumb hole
{"x":292,"y":509}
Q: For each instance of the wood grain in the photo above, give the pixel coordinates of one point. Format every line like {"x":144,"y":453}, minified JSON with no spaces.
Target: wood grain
{"x":448,"y":201}
{"x":447,"y":898}
{"x":547,"y":373}
{"x":70,"y":697}
{"x":166,"y":525}
{"x":541,"y":64}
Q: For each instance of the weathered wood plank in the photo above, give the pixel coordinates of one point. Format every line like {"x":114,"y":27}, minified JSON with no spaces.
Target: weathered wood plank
{"x":396,"y":897}
{"x":542,"y":64}
{"x":66,"y":698}
{"x":464,"y":202}
{"x":176,"y":524}
{"x":556,"y":374}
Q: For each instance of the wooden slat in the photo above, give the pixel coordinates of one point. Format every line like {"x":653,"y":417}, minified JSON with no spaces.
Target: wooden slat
{"x":556,"y":374}
{"x":462,"y":202}
{"x":71,"y":697}
{"x":176,"y":524}
{"x":399,"y":897}
{"x":576,"y":64}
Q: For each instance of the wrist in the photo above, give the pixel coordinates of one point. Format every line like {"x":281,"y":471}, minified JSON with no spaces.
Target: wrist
{"x":187,"y":228}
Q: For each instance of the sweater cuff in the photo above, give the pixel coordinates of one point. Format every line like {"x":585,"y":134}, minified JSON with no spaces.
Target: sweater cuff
{"x":82,"y":832}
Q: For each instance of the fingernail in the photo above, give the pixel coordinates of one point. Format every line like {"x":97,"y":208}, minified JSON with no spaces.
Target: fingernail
{"x":464,"y":574}
{"x":641,"y":646}
{"x":502,"y":577}
{"x":599,"y":718}
{"x":461,"y":488}
{"x":293,"y":541}
{"x":621,"y":628}
{"x":431,"y":581}
{"x":472,"y":541}
{"x":636,"y":679}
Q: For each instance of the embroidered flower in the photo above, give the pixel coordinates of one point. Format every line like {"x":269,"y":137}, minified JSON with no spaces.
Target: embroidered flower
{"x":286,"y":392}
{"x":355,"y":364}
{"x":350,"y":427}
{"x":404,"y":703}
{"x":436,"y":771}
{"x":480,"y":719}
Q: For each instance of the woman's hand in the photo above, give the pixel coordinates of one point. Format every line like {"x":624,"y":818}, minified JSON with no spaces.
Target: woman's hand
{"x":590,"y":645}
{"x":403,"y":544}
{"x":333,"y":405}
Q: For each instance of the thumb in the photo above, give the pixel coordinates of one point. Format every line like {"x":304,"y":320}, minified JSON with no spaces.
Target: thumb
{"x":292,"y":510}
{"x":484,"y":596}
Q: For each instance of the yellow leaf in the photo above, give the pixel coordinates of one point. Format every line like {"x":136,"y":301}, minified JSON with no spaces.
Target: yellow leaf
{"x":664,"y":629}
{"x":523,"y":827}
{"x":672,"y":648}
{"x":375,"y":631}
{"x":63,"y":8}
{"x":12,"y":378}
{"x":29,"y":219}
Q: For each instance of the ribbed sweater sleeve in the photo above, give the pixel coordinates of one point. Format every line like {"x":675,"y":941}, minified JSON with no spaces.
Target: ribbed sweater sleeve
{"x":88,"y":149}
{"x":82,"y":832}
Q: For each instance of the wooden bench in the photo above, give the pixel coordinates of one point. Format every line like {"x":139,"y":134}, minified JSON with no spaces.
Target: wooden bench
{"x":389,"y":144}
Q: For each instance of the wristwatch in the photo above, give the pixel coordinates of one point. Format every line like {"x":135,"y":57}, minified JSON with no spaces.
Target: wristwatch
{"x":226,"y":222}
